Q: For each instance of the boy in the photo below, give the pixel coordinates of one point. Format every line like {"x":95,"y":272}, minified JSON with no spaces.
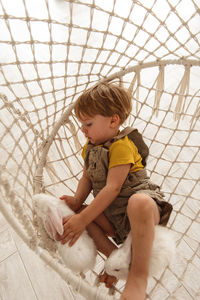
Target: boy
{"x":124,"y":198}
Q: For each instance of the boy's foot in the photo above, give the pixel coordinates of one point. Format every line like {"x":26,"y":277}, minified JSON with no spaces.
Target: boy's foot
{"x":107,"y":279}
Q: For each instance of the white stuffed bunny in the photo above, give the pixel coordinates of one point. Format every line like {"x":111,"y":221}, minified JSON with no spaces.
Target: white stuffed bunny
{"x":163,"y":252}
{"x":82,"y":255}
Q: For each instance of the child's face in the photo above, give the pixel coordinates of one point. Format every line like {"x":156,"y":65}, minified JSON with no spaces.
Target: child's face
{"x":98,"y":129}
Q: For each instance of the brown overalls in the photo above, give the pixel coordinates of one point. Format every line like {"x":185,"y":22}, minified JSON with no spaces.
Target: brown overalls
{"x":97,"y":161}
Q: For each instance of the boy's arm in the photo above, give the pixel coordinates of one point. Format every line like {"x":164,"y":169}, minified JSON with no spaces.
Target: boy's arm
{"x":115,"y":179}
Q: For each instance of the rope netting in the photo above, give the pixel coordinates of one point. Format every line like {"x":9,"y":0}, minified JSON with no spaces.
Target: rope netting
{"x":50,"y":52}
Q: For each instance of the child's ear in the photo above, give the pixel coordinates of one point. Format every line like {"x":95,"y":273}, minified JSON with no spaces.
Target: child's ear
{"x":115,"y":120}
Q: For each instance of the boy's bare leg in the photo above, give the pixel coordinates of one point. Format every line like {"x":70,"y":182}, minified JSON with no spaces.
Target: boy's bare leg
{"x":102,"y":242}
{"x":105,"y":246}
{"x":99,"y":230}
{"x":143,"y":215}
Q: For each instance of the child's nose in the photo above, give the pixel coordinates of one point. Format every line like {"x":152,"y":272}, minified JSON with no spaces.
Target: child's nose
{"x":83,"y":129}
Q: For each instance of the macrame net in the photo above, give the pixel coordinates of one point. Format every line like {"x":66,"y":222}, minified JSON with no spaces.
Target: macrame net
{"x":50,"y":52}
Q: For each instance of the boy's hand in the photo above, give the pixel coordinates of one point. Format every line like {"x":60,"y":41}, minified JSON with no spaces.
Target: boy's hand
{"x":72,"y":202}
{"x":73,"y":228}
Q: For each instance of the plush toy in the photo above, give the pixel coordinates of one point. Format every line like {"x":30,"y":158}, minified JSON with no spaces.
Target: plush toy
{"x":163,"y":252}
{"x":82,"y":255}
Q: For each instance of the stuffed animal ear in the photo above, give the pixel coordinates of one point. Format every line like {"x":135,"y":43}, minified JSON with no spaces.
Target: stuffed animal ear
{"x":50,"y":228}
{"x":53,"y":222}
{"x":56,"y":219}
{"x":127,"y":243}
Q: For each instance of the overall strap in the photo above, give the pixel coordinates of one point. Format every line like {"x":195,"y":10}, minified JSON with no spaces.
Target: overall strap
{"x":122,"y":134}
{"x":136,"y":138}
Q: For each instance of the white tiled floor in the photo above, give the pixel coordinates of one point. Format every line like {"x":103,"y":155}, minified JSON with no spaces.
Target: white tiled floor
{"x":23,"y":275}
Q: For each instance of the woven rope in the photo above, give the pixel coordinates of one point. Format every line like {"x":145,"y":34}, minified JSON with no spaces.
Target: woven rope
{"x":48,"y":56}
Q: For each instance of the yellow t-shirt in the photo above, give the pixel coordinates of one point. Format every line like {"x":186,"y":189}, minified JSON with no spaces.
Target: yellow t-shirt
{"x":123,"y":152}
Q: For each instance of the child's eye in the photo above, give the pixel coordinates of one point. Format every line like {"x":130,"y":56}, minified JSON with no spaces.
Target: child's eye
{"x":89,"y":124}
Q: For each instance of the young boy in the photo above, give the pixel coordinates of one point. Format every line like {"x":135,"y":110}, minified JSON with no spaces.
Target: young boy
{"x":124,"y":198}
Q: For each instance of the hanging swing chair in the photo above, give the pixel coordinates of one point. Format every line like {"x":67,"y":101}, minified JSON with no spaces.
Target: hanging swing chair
{"x":53,"y":50}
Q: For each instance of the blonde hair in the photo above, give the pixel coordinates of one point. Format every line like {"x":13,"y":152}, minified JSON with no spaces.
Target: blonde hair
{"x":104,"y":99}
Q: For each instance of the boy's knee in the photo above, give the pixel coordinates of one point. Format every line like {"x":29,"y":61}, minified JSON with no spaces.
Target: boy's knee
{"x":140,"y":205}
